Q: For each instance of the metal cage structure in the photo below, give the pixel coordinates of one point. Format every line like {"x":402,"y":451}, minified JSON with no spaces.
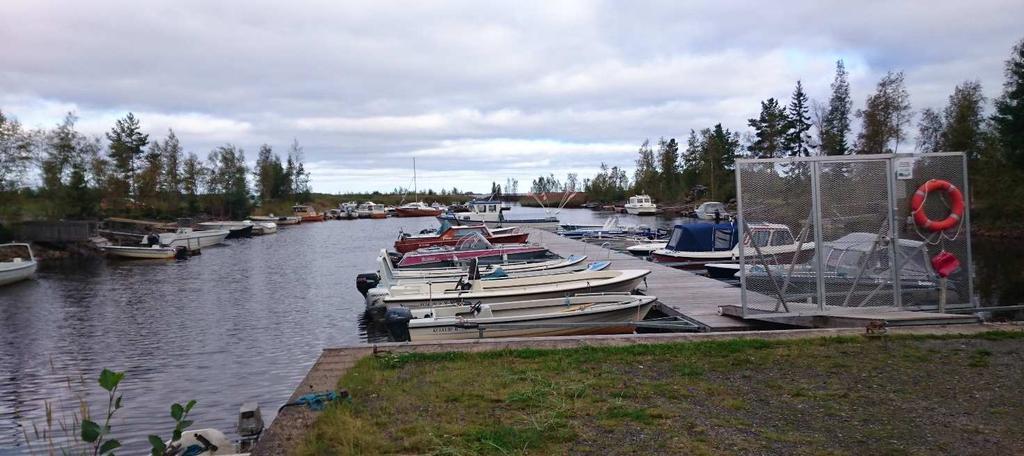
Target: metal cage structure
{"x":853,"y":241}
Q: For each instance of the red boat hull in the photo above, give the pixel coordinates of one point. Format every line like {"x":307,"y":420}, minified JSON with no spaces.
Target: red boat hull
{"x":408,"y":212}
{"x":408,"y":245}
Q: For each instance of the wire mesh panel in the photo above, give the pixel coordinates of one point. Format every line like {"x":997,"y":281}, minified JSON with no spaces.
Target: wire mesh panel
{"x":778,"y":234}
{"x":825,"y":234}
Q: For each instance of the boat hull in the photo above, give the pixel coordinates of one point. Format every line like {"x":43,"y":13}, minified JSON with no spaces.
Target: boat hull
{"x":446,"y":259}
{"x":641,"y":210}
{"x":407,"y":245}
{"x":197,"y":240}
{"x":16,"y":272}
{"x":141,"y":253}
{"x":417,"y":212}
{"x":617,"y":320}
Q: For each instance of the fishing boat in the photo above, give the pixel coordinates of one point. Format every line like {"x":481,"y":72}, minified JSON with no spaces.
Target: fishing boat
{"x":334,"y":214}
{"x":492,"y":213}
{"x":193,"y":240}
{"x":708,"y":211}
{"x":264,"y":228}
{"x":142,"y":252}
{"x":17,"y":262}
{"x":470,"y":247}
{"x":641,"y":205}
{"x":693,"y":245}
{"x":236,"y":230}
{"x":447,"y":235}
{"x":602,"y":313}
{"x":856,"y":269}
{"x":307,"y":213}
{"x":366,"y":281}
{"x":278,"y":219}
{"x":378,"y":211}
{"x":610,"y":229}
{"x":476,"y":290}
{"x":622,"y":242}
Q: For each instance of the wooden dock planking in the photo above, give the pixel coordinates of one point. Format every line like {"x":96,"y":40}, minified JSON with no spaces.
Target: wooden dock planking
{"x":680,"y":293}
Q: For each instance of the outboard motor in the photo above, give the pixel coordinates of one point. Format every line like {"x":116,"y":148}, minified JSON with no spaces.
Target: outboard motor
{"x":181,"y":253}
{"x":396,"y":319}
{"x":367,"y":281}
{"x":375,"y":297}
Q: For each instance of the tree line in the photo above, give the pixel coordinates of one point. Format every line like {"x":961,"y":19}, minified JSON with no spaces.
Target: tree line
{"x":131,"y":174}
{"x":993,"y":142}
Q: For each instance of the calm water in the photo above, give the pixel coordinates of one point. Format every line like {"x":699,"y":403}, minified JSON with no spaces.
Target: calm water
{"x":241,"y":322}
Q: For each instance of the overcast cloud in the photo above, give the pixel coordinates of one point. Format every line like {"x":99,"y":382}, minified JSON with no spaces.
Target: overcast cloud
{"x":476,"y":91}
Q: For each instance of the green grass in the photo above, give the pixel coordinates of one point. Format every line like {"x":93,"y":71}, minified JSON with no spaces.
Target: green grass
{"x":846,"y":395}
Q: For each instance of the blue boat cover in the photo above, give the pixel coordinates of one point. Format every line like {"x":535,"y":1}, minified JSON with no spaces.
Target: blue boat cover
{"x":703,"y":237}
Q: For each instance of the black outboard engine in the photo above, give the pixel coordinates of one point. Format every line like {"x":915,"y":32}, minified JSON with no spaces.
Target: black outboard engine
{"x":395,"y":257}
{"x":181,"y":253}
{"x":397,"y":321}
{"x":367,"y":281}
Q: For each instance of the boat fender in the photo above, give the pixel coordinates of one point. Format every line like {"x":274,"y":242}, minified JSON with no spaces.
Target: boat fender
{"x":367,"y":281}
{"x":956,"y":205}
{"x":397,"y":321}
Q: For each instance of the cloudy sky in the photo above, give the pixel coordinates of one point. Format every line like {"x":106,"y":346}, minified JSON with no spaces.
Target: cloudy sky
{"x":477,"y":91}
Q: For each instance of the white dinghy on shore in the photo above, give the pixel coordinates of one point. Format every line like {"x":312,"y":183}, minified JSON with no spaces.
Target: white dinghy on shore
{"x":16,"y":263}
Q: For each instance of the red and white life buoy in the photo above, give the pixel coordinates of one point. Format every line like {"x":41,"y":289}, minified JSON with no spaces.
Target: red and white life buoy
{"x":956,"y":205}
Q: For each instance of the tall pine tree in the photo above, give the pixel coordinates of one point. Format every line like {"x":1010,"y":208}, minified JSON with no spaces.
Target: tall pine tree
{"x":797,"y":141}
{"x":769,"y":130}
{"x":126,"y":146}
{"x":1009,"y":114}
{"x":836,"y":121}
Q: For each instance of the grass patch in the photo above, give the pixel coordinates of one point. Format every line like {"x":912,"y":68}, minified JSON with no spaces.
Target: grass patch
{"x":708,"y":397}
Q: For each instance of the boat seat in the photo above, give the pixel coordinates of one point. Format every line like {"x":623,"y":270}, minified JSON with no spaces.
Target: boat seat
{"x":17,"y":260}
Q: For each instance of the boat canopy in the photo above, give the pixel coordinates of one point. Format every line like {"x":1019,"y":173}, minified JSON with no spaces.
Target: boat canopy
{"x":474,"y":241}
{"x":846,"y":255}
{"x":703,"y":237}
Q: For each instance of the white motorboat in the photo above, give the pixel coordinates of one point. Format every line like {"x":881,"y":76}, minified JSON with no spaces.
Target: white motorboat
{"x":278,"y":219}
{"x":707,"y":211}
{"x":614,"y":313}
{"x":693,"y":245}
{"x":193,"y":240}
{"x":153,"y":252}
{"x":370,"y":209}
{"x":237,"y":229}
{"x":492,"y":213}
{"x":262,"y":228}
{"x":16,"y":263}
{"x":646,"y":249}
{"x":511,"y":289}
{"x":641,"y":205}
{"x":388,"y":277}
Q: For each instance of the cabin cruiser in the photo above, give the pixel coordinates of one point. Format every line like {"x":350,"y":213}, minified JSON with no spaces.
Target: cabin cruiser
{"x":478,"y":291}
{"x":856,"y":267}
{"x":641,"y":205}
{"x":711,"y":209}
{"x":585,"y":313}
{"x":370,"y":209}
{"x":693,"y":245}
{"x":16,"y":263}
{"x":470,"y":247}
{"x":307,"y":213}
{"x":235,"y":230}
{"x":492,"y":213}
{"x":417,"y":209}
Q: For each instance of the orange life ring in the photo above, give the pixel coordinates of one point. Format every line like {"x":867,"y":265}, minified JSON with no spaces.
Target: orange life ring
{"x":956,"y":205}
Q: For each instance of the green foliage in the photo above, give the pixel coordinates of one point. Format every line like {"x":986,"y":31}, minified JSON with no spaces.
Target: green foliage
{"x":179,"y":413}
{"x":645,"y":177}
{"x":797,"y":139}
{"x":92,"y":432}
{"x":885,"y":116}
{"x":769,"y":130}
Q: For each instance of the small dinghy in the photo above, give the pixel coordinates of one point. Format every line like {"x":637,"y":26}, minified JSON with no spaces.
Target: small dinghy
{"x":599,"y":313}
{"x":16,"y":263}
{"x":154,"y":252}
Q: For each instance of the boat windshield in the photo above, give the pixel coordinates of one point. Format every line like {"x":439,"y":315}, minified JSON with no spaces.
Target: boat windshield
{"x":10,"y":252}
{"x":474,"y":241}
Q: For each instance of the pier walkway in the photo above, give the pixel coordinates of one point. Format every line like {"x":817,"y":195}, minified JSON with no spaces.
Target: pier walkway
{"x":683,"y":294}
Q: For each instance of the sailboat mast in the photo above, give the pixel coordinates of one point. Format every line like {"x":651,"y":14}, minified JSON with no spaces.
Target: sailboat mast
{"x":415,"y":190}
